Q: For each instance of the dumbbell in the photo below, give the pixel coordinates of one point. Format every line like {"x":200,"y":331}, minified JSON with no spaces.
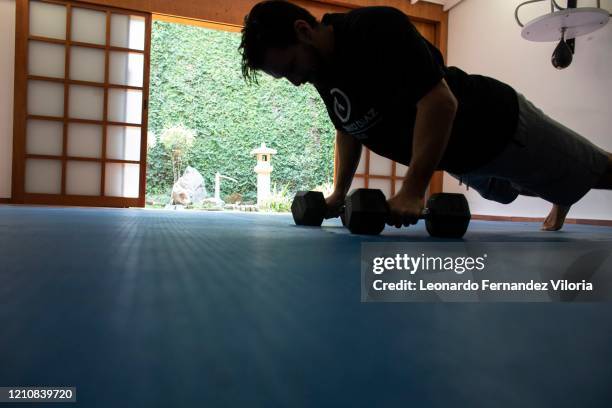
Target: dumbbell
{"x":309,"y":207}
{"x":447,"y":215}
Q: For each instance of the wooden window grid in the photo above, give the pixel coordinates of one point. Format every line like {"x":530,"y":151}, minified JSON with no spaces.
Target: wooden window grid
{"x":21,"y":115}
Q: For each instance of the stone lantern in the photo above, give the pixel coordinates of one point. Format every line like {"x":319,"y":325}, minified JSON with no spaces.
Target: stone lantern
{"x":263,"y":170}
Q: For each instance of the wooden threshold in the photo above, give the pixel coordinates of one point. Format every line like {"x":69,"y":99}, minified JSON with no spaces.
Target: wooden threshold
{"x":81,"y":201}
{"x":579,"y":221}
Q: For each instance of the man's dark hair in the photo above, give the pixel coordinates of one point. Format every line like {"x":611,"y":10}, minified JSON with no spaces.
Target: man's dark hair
{"x":269,"y":25}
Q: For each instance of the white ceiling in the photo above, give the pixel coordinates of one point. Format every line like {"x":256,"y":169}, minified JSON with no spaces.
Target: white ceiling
{"x":448,"y":4}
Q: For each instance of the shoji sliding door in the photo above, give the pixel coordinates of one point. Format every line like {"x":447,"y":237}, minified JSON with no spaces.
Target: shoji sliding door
{"x":81,"y":95}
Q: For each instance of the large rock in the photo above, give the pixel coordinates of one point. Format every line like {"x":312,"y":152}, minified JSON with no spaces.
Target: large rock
{"x":190,"y":188}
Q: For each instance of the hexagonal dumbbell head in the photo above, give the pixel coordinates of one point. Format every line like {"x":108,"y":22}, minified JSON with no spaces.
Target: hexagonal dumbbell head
{"x":366,"y":211}
{"x":308,"y":208}
{"x":448,"y":215}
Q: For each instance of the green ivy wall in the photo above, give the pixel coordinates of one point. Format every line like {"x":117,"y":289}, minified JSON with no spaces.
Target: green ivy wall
{"x":196,"y":82}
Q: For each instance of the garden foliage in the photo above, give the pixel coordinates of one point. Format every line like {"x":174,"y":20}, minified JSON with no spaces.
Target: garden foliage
{"x":196,"y":84}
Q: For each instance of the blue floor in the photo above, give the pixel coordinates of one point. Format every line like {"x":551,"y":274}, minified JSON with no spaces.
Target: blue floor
{"x":207,"y":309}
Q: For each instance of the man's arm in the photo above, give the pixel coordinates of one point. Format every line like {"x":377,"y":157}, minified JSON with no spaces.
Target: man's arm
{"x":349,"y":153}
{"x":434,"y":121}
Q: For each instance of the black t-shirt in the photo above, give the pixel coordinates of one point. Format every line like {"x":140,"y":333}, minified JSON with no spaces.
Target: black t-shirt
{"x":382,"y":67}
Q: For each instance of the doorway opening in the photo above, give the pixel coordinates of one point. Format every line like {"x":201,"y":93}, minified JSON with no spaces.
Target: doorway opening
{"x":206,"y":124}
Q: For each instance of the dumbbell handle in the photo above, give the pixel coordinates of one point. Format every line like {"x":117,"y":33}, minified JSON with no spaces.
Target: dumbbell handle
{"x":427,"y":215}
{"x":424,"y":214}
{"x":339,"y":214}
{"x":447,"y":214}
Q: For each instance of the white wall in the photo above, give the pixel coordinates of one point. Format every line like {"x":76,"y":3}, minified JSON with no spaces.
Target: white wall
{"x":7,"y":63}
{"x":485,"y":39}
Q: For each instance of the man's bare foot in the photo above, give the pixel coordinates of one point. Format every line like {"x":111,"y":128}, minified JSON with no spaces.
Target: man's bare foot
{"x":555,"y":219}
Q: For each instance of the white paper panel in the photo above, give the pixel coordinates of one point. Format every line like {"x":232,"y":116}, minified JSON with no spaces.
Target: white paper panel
{"x":127,"y":31}
{"x":44,"y":137}
{"x":122,"y":180}
{"x":83,"y":178}
{"x":46,"y":59}
{"x":123,"y":143}
{"x":400,"y":169}
{"x":384,"y":185}
{"x":379,"y":165}
{"x":43,"y":176}
{"x":47,"y":20}
{"x":124,"y":106}
{"x":86,"y":102}
{"x":126,"y":68}
{"x":88,"y":26}
{"x":358,"y":182}
{"x":87,"y":64}
{"x":361,"y":167}
{"x":45,"y":98}
{"x":398,"y":185}
{"x":84,"y":140}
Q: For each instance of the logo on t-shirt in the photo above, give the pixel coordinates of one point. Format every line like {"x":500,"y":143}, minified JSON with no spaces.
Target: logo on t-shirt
{"x":342,"y":105}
